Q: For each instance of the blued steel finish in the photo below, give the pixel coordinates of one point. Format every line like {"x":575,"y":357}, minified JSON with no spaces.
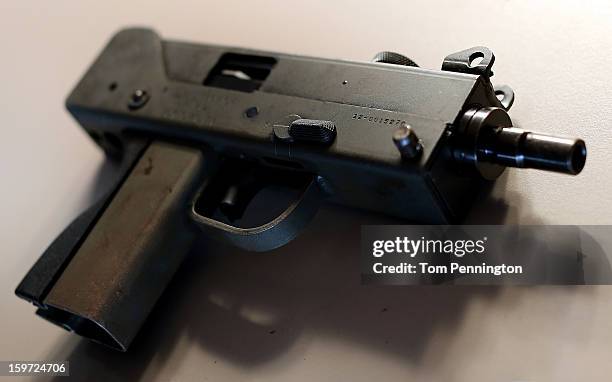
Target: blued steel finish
{"x":487,"y":140}
{"x":477,"y":60}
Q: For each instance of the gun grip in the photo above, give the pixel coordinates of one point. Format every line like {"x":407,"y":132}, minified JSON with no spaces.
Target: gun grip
{"x":102,"y":277}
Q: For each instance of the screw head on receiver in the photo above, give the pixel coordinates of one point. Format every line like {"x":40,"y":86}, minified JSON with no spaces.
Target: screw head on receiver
{"x":138,"y":99}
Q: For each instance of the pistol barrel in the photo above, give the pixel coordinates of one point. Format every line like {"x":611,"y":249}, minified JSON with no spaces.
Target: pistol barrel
{"x":487,"y":140}
{"x":509,"y":146}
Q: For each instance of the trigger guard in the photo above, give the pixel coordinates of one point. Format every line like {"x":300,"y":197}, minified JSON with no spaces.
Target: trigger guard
{"x":276,"y":233}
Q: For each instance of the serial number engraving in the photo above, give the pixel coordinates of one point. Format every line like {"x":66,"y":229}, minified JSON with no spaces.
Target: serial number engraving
{"x":378,"y":119}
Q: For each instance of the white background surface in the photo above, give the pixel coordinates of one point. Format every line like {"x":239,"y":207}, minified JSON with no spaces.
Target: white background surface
{"x":215,"y":320}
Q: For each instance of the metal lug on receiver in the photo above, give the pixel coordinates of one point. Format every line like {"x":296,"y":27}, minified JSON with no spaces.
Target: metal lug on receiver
{"x":407,"y":142}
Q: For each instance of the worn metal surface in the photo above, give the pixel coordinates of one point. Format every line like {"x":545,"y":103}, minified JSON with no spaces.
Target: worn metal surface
{"x":270,"y":235}
{"x":121,"y":269}
{"x":47,"y":269}
{"x":561,"y":334}
{"x":197,"y":100}
{"x":236,"y":113}
{"x":205,"y":95}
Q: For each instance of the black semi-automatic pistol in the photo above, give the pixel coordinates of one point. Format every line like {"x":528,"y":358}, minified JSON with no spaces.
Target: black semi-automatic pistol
{"x":200,"y":131}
